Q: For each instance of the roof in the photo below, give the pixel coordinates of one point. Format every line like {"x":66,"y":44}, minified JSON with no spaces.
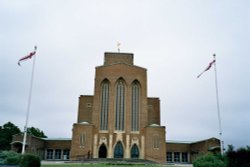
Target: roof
{"x":189,"y":142}
{"x":214,"y":148}
{"x":123,"y":63}
{"x":155,"y":126}
{"x":62,"y":139}
{"x":18,"y":142}
{"x":44,"y":139}
{"x":21,"y":134}
{"x":84,"y":123}
{"x":178,"y":142}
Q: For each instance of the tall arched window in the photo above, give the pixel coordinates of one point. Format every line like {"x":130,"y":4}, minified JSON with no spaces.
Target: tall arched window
{"x":120,"y":105}
{"x":104,"y":105}
{"x":135,"y":106}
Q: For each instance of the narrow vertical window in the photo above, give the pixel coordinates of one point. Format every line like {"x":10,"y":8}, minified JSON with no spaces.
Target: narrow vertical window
{"x":156,"y":142}
{"x":135,"y":106}
{"x":82,"y":139}
{"x":120,"y":105}
{"x":104,"y":105}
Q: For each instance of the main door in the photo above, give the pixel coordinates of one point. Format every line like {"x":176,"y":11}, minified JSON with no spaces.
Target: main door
{"x":102,"y":151}
{"x":118,"y":153}
{"x":134,"y":151}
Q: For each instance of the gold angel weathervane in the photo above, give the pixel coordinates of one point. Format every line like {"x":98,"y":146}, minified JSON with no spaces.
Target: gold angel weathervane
{"x":118,"y":46}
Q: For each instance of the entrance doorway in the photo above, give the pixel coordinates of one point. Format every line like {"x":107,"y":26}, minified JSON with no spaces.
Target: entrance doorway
{"x":18,"y":146}
{"x":118,"y":153}
{"x":103,"y":151}
{"x":135,"y":151}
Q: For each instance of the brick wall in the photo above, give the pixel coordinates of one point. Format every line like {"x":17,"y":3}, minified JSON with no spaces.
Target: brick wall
{"x":153,"y":111}
{"x":155,"y":150}
{"x":85,"y":109}
{"x":80,"y":149}
{"x":112,"y":58}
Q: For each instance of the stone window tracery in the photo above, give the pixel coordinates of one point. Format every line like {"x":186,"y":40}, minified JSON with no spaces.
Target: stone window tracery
{"x":104,"y":105}
{"x":135,"y":101}
{"x":120,"y":105}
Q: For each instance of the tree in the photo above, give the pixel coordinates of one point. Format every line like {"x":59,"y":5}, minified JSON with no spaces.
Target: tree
{"x":6,"y":134}
{"x":238,"y":158}
{"x":36,"y":132}
{"x":9,"y":129}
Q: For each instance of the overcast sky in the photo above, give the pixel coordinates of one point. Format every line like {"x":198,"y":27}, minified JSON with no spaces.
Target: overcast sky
{"x":173,"y":39}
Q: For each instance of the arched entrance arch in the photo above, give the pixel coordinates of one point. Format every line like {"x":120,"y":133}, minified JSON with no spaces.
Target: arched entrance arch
{"x":102,"y":151}
{"x":118,"y":152}
{"x":135,"y":151}
{"x":17,"y":146}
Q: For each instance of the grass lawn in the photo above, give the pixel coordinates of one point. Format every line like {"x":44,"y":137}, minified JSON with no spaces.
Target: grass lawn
{"x":102,"y":165}
{"x":98,"y":165}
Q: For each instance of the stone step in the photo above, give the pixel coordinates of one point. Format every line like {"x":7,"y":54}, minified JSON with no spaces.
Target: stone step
{"x":114,"y":161}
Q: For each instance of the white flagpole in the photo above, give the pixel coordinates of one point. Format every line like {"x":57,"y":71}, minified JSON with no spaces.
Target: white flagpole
{"x":218,"y":106}
{"x":29,"y":102}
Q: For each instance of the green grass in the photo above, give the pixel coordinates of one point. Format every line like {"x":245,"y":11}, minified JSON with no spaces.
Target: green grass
{"x":98,"y":165}
{"x":101,"y":165}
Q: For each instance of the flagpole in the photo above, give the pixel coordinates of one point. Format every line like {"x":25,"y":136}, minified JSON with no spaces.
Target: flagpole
{"x":218,"y":105}
{"x":28,"y":106}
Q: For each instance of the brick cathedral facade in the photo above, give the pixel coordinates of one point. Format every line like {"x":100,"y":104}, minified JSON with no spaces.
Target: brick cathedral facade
{"x":119,"y":120}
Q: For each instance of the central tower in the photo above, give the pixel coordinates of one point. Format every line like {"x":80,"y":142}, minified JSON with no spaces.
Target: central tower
{"x":120,"y":100}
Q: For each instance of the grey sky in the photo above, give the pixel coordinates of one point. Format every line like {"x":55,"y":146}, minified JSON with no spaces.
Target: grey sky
{"x":174,"y":40}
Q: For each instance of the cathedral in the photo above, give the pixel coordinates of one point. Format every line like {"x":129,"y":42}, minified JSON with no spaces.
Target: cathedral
{"x":119,"y":120}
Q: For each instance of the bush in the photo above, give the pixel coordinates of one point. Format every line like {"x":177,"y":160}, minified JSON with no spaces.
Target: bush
{"x":238,"y":158}
{"x":9,"y":158}
{"x":209,"y":160}
{"x":30,"y":160}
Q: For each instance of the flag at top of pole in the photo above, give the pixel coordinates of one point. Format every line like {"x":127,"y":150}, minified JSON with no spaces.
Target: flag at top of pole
{"x":29,"y":56}
{"x":213,"y":63}
{"x":208,"y":67}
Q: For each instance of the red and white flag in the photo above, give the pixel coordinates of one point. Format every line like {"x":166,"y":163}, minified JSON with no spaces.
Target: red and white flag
{"x":208,"y":67}
{"x":29,"y":56}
